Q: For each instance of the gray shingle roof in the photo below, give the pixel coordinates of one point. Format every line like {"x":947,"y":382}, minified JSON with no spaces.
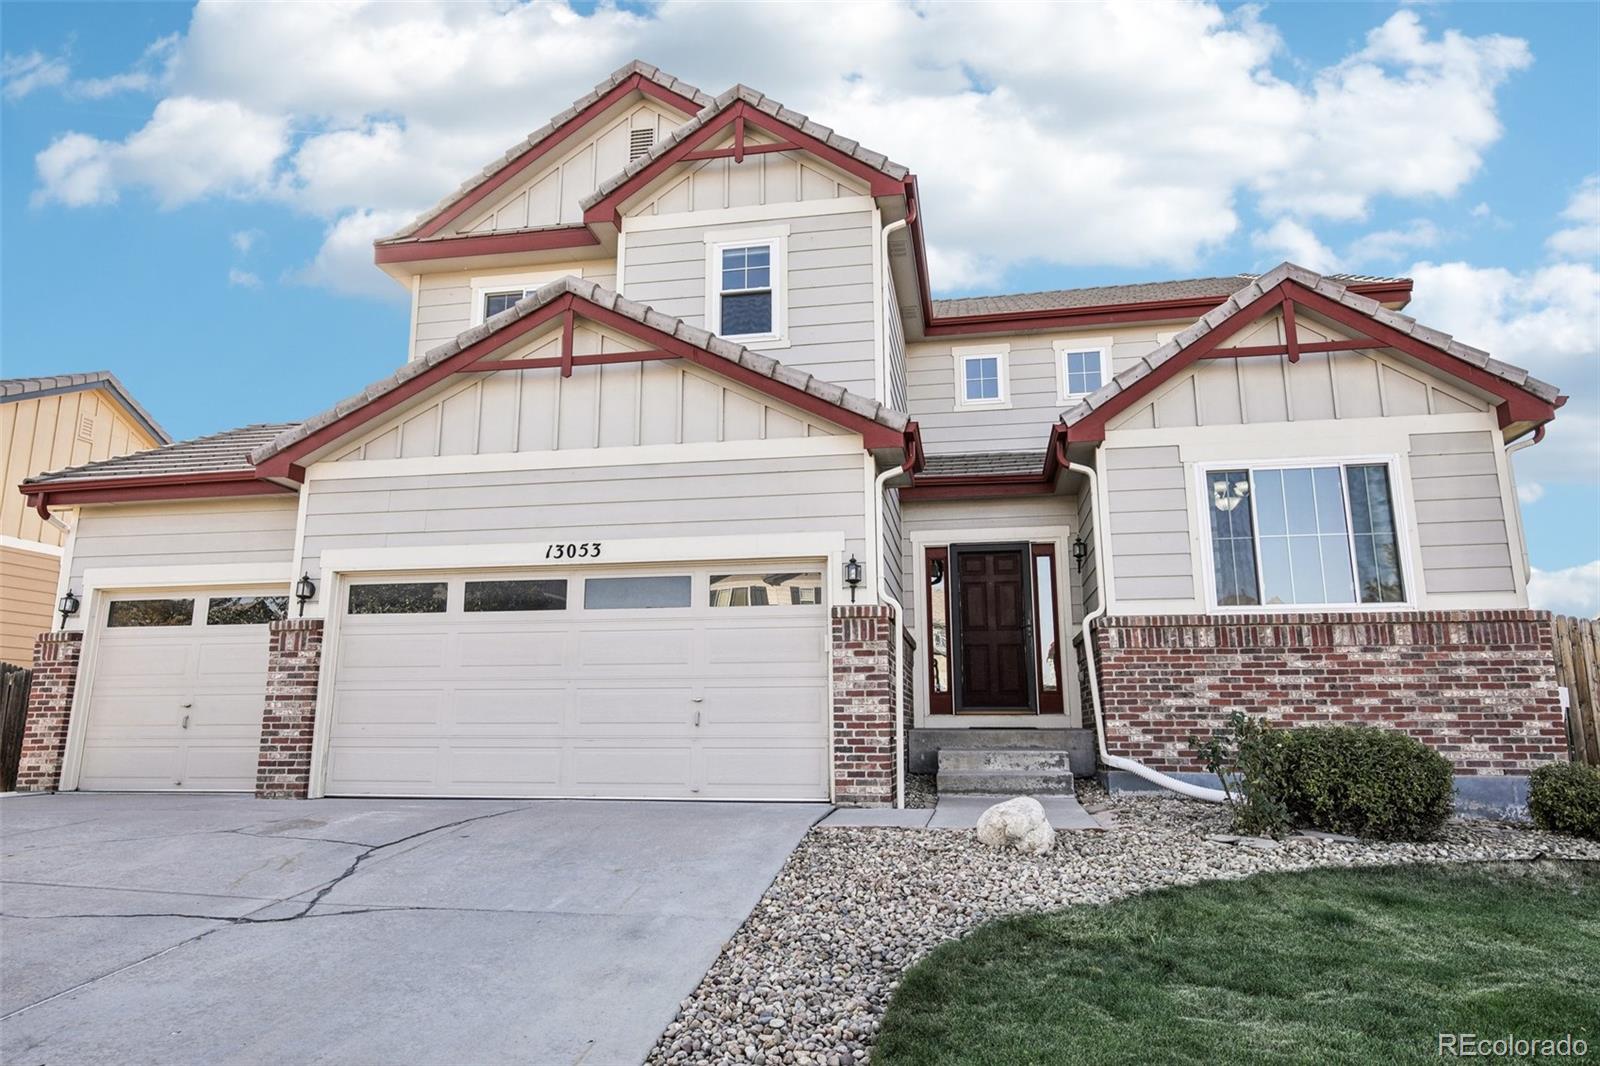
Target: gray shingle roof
{"x":766,"y":105}
{"x":1333,"y":290}
{"x":1101,"y":295}
{"x":676,"y":327}
{"x":225,"y":452}
{"x":966,"y":463}
{"x":621,"y":74}
{"x":12,"y":389}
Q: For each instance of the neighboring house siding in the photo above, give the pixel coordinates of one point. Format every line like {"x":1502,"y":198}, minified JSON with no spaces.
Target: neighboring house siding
{"x":444,"y":304}
{"x":28,"y":594}
{"x":205,"y":533}
{"x":1147,"y":524}
{"x":1461,"y":521}
{"x":767,"y":178}
{"x":736,"y":497}
{"x":831,"y":298}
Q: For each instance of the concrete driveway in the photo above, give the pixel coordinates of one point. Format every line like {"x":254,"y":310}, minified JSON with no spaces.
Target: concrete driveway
{"x":221,"y":929}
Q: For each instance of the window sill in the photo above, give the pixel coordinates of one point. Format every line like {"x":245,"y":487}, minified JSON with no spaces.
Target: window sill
{"x":983,"y":405}
{"x":759,"y":344}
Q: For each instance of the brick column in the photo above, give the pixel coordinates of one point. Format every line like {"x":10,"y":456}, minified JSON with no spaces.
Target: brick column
{"x":863,"y":706}
{"x":44,"y":733}
{"x":294,"y":657}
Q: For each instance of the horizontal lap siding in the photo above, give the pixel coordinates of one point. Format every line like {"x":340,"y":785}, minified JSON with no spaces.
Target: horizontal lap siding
{"x":831,"y":299}
{"x":771,"y":497}
{"x":247,"y":530}
{"x":28,"y":591}
{"x":1148,"y":524}
{"x":444,"y":301}
{"x":1461,"y":519}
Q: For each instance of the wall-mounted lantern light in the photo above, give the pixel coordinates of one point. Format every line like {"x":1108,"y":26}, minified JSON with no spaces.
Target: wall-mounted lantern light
{"x":852,"y":576}
{"x":1080,"y":552}
{"x":68,"y":606}
{"x":304,"y":589}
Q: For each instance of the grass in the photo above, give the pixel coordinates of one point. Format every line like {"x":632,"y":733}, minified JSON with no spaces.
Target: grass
{"x":1331,"y":966}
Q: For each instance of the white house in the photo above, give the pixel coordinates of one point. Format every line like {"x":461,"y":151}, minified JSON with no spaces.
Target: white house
{"x":681,"y":440}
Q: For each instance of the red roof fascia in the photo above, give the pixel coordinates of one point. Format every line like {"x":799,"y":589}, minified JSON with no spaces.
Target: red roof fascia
{"x":575,"y":236}
{"x":977,"y":486}
{"x":633,"y":83}
{"x":153,"y":487}
{"x":609,"y":209}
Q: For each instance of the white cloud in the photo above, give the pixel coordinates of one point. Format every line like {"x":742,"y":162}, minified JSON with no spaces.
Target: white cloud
{"x":344,"y":262}
{"x":1389,"y":245}
{"x":244,"y":240}
{"x":1532,"y":492}
{"x":1137,"y":151}
{"x":25,"y":74}
{"x":243,"y":279}
{"x":1291,"y":240}
{"x":1574,"y":591}
{"x":1582,"y":239}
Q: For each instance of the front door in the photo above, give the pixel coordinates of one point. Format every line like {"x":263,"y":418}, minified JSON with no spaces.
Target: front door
{"x":994,"y":629}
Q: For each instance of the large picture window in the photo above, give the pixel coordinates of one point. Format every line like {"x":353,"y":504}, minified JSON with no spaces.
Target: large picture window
{"x":1323,"y":535}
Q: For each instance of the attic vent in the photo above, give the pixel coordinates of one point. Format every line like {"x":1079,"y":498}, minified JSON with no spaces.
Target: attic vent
{"x":86,"y":428}
{"x":639,"y":143}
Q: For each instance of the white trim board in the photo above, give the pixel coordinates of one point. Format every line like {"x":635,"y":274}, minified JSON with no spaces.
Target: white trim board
{"x":186,"y":576}
{"x":35,"y":546}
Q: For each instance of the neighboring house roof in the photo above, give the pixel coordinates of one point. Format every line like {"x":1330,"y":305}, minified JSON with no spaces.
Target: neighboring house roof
{"x":1219,"y":288}
{"x":964,"y":464}
{"x":14,"y":389}
{"x":1385,"y":327}
{"x":218,"y":453}
{"x":576,"y":115}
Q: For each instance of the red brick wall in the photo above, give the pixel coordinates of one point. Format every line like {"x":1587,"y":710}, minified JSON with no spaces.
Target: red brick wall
{"x":863,"y":705}
{"x":1477,"y":686}
{"x":294,"y":656}
{"x":44,"y":733}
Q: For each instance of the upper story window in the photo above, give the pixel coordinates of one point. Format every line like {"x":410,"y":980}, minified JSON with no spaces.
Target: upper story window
{"x":498,"y":292}
{"x":1323,"y":535}
{"x":1082,"y":366}
{"x":495,"y":302}
{"x":745,"y":287}
{"x":982,"y":376}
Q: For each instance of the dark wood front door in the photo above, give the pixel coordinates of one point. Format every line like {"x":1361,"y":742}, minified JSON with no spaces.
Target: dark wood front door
{"x":994,"y":629}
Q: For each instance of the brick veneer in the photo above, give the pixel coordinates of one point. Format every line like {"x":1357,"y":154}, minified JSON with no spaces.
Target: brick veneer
{"x":44,"y":734}
{"x":863,"y":705}
{"x":1477,"y":686}
{"x":294,"y":657}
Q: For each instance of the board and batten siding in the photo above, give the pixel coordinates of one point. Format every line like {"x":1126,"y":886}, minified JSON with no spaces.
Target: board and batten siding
{"x":1461,"y":519}
{"x":1147,"y":524}
{"x":800,"y":494}
{"x":831,"y":295}
{"x":444,"y":301}
{"x":762,"y":179}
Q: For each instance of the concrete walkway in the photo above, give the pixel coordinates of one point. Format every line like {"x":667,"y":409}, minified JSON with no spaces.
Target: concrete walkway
{"x":225,"y":929}
{"x":958,"y":812}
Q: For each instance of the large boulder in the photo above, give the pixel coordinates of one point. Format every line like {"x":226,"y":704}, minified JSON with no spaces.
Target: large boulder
{"x":1017,"y":823}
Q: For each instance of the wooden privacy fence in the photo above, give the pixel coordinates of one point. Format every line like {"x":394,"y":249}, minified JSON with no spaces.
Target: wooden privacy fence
{"x":1578,"y":670}
{"x":14,"y":684}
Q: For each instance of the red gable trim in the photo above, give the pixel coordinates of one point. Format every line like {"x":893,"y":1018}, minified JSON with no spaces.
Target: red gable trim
{"x":1517,"y":405}
{"x":152,"y":487}
{"x":470,"y":358}
{"x":576,"y":236}
{"x":741,"y":116}
{"x":633,"y":83}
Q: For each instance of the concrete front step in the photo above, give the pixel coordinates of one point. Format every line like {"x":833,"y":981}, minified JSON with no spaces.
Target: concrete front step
{"x":1016,"y":771}
{"x":962,"y":760}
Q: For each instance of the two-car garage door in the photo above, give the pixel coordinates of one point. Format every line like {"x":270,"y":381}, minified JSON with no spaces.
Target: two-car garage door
{"x":671,"y":682}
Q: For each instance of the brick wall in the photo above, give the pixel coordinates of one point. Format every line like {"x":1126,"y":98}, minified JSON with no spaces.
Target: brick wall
{"x":44,"y":734}
{"x":294,"y":657}
{"x":1477,"y":686}
{"x":863,"y":706}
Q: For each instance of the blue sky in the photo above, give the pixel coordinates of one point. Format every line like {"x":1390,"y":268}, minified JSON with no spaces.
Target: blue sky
{"x":189,"y":193}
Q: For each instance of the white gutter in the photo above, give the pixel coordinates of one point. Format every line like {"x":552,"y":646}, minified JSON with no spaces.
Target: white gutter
{"x":897,"y":675}
{"x":880,"y":370}
{"x":1522,"y":533}
{"x":1138,"y":769}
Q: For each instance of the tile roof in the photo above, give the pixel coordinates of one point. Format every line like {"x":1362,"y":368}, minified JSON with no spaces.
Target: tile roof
{"x":766,"y":105}
{"x":21,"y":388}
{"x":219,"y":453}
{"x":1101,"y":295}
{"x":676,"y":327}
{"x":1333,"y":290}
{"x":617,"y":77}
{"x":967,"y":463}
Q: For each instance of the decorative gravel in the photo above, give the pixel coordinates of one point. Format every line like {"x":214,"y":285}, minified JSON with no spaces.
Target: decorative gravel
{"x":806,"y":979}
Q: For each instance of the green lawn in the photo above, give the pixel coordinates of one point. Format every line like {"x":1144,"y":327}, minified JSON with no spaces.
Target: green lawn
{"x":1348,"y":966}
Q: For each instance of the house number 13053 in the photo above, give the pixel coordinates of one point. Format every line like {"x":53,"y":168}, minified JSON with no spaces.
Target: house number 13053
{"x":590,"y":550}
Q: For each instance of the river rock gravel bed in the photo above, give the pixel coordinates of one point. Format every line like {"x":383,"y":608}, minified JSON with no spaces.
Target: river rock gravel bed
{"x":806,"y":979}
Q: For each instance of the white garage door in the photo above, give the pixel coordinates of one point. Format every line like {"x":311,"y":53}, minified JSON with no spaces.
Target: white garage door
{"x":178,"y":690}
{"x":708,"y":683}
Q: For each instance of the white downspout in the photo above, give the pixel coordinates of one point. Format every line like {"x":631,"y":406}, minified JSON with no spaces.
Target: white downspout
{"x":899,"y":666}
{"x":1522,"y":534}
{"x":880,"y":382}
{"x":1138,"y":769}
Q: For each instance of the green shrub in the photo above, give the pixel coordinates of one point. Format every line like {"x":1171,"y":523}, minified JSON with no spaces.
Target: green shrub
{"x":1248,"y":759}
{"x":1365,"y":781}
{"x":1564,"y":797}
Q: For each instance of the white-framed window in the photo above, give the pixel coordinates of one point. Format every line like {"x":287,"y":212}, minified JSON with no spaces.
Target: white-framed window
{"x":1309,"y":533}
{"x":1083,"y":364}
{"x":983,"y":376}
{"x":747,"y":286}
{"x":494,"y":293}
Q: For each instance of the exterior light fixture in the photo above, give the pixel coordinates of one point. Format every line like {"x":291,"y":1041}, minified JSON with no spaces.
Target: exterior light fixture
{"x":1080,"y":552}
{"x":68,"y":606}
{"x":852,"y":576}
{"x":304,"y":589}
{"x":1224,"y":499}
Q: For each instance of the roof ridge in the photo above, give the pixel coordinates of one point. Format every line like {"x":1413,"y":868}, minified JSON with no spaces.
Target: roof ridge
{"x":12,"y":389}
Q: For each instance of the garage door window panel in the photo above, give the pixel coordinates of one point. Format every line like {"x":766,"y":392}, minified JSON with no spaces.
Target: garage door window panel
{"x":766,"y":590}
{"x":408,"y":597}
{"x":631,"y":593}
{"x":509,"y":596}
{"x":246,"y":610}
{"x":133,"y":614}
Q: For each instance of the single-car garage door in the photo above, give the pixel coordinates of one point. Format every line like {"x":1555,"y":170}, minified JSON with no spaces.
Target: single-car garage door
{"x":177,"y":694}
{"x":682,"y":683}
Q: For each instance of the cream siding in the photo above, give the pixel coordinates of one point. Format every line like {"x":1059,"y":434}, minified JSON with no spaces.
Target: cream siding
{"x":893,"y":547}
{"x":1087,"y":581}
{"x":1461,"y":520}
{"x":28,"y":592}
{"x":831,"y":302}
{"x":444,"y":301}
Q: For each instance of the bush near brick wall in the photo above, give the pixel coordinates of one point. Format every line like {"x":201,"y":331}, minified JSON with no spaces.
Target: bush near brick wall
{"x":44,"y":736}
{"x":294,"y":659}
{"x":1479,"y":687}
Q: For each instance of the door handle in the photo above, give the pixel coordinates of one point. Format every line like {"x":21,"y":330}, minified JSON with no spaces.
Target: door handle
{"x":186,"y":719}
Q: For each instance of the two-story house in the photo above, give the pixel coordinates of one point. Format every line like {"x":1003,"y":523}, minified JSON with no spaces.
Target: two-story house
{"x":685,"y":472}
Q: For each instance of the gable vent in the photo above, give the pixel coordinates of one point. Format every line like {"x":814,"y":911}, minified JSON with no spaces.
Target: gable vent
{"x":639,"y":143}
{"x":86,"y":428}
